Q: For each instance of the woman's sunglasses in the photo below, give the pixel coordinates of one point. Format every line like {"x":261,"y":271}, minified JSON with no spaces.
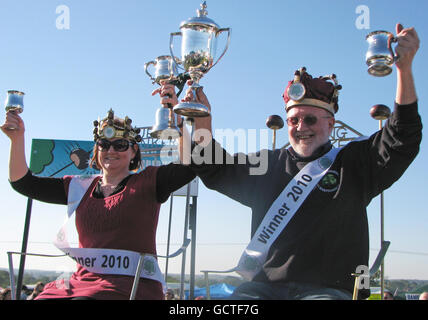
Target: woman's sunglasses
{"x":118,"y":145}
{"x":309,"y":120}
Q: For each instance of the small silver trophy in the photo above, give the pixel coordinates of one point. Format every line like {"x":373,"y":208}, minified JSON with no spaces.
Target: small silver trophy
{"x":165,"y":126}
{"x":198,"y":48}
{"x":380,"y":56}
{"x":165,"y":69}
{"x":14,"y":102}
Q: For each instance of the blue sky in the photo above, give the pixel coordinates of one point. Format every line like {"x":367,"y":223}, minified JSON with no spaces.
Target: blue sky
{"x":73,"y":76}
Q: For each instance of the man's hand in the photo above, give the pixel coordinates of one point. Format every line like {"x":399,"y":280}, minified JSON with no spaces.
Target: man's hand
{"x":203,"y":125}
{"x":200,"y":96}
{"x":408,"y":45}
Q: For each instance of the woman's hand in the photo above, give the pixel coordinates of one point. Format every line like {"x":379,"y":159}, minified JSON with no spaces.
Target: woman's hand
{"x":17,"y":164}
{"x":13,"y":120}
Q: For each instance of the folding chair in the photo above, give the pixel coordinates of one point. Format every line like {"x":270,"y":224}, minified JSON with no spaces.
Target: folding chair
{"x":375,"y":267}
{"x":207,"y":282}
{"x":181,"y":250}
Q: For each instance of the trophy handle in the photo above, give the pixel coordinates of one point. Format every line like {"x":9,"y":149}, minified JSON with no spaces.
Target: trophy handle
{"x":146,"y":65}
{"x":229,"y":31}
{"x":171,"y":45}
{"x":391,"y":40}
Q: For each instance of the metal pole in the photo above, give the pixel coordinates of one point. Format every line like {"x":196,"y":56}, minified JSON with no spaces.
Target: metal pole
{"x":274,"y":140}
{"x":207,"y":285}
{"x":183,"y":258}
{"x":169,"y":237}
{"x":382,"y":237}
{"x":137,"y":277}
{"x":381,"y":112}
{"x":186,"y":226}
{"x":356,"y":286}
{"x":11,"y":276}
{"x":192,"y":226}
{"x":274,"y":122}
{"x":24,"y":249}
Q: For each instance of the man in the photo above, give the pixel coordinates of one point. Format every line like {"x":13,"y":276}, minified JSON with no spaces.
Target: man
{"x":388,"y":295}
{"x":423,"y":296}
{"x":318,"y":234}
{"x":169,"y":295}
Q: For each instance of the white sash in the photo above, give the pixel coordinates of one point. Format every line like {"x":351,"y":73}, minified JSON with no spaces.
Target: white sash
{"x":102,"y":261}
{"x":281,"y":212}
{"x":114,"y":261}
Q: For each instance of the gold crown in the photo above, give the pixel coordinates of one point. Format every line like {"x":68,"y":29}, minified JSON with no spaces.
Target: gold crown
{"x":112,"y":127}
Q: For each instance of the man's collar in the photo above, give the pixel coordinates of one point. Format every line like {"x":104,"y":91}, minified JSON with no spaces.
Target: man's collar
{"x":318,"y":153}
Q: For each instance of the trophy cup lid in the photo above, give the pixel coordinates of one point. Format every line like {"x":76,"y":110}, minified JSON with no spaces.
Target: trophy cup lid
{"x":378,"y":32}
{"x":201,"y":19}
{"x":16,"y":92}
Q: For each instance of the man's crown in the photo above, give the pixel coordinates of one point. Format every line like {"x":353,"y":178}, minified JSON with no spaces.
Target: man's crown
{"x":322,"y":92}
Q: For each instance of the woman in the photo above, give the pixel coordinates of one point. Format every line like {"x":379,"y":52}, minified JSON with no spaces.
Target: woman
{"x":118,"y":211}
{"x":5,"y":294}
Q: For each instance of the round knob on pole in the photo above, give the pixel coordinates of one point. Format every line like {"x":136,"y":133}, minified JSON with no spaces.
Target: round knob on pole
{"x":380,"y":112}
{"x":275,"y":122}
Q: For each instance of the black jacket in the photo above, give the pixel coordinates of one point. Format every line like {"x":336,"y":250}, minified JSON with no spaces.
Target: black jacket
{"x":328,"y":236}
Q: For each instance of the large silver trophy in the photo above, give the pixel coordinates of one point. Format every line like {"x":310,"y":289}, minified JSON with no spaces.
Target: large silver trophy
{"x":380,"y":56}
{"x":198,"y":49}
{"x":165,"y":126}
{"x":14,"y":102}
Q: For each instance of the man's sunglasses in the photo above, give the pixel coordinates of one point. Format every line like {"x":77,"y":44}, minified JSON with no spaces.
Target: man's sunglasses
{"x":118,"y":145}
{"x":309,"y":120}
